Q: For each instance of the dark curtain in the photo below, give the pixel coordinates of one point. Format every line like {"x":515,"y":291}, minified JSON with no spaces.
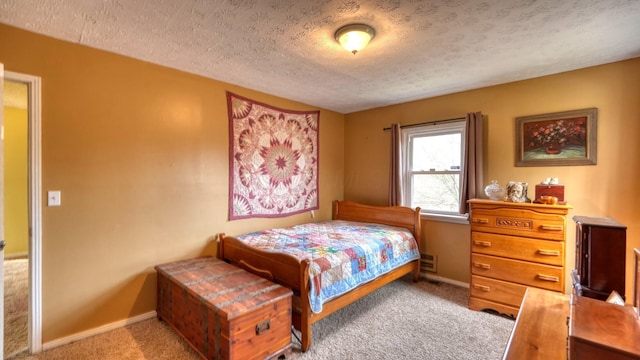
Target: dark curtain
{"x":395,"y":169}
{"x":472,"y":186}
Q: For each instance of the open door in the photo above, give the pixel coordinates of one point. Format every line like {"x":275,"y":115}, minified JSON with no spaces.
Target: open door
{"x":1,"y":214}
{"x":35,"y":207}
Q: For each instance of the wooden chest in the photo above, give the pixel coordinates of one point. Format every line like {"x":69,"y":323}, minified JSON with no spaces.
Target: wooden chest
{"x":550,"y":190}
{"x":515,"y":246}
{"x":223,"y":311}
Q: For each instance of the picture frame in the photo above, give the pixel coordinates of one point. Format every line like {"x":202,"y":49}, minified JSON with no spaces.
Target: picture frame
{"x":557,"y":139}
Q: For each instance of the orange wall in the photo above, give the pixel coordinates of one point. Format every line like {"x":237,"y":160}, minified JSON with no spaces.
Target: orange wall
{"x":140,"y":153}
{"x":606,"y":189}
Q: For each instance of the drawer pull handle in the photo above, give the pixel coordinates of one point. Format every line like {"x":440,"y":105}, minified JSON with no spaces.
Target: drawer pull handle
{"x":548,"y":278}
{"x":480,"y":221}
{"x":482,"y":287}
{"x":552,"y":227}
{"x":549,"y":252}
{"x":263,"y":327}
{"x":482,"y":243}
{"x":482,"y":265}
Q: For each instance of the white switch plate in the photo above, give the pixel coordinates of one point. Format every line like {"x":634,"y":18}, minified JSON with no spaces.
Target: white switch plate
{"x":53,"y":198}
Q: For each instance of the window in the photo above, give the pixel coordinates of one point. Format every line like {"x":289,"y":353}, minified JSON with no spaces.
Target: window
{"x":432,"y":165}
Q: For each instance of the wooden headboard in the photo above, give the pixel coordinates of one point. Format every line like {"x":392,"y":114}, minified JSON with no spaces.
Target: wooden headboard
{"x":400,"y":216}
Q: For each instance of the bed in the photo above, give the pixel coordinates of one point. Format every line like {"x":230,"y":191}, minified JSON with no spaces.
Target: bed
{"x":317,"y":287}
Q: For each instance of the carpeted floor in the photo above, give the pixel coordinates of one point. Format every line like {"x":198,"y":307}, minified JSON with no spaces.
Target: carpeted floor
{"x":16,"y":300}
{"x":403,"y":320}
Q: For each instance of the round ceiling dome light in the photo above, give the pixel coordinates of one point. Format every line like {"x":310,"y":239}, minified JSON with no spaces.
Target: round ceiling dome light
{"x":354,"y":37}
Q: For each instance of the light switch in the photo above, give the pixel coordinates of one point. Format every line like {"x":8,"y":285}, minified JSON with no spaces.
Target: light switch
{"x":53,"y":198}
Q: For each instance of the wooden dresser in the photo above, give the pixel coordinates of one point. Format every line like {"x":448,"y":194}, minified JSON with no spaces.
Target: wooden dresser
{"x":513,"y":246}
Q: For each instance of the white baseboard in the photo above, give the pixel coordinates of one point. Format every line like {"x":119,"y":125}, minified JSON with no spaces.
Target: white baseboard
{"x":153,"y":314}
{"x":98,"y":330}
{"x":16,"y":256}
{"x":444,"y":280}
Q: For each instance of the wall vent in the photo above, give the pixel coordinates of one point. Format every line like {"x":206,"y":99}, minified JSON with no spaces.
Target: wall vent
{"x":429,"y":263}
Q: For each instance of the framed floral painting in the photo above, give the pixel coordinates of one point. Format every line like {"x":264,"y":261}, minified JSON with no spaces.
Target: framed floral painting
{"x":557,"y":139}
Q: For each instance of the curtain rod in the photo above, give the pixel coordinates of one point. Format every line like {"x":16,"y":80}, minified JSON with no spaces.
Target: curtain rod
{"x":435,"y":122}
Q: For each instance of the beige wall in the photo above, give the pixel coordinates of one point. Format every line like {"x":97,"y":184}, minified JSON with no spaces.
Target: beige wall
{"x":606,"y":189}
{"x":16,"y":229}
{"x":140,"y":153}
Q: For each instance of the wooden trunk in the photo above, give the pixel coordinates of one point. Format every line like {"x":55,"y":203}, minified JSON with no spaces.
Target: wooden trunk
{"x":223,"y":311}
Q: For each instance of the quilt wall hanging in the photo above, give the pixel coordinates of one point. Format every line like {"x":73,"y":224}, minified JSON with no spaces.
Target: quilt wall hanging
{"x":273,"y":159}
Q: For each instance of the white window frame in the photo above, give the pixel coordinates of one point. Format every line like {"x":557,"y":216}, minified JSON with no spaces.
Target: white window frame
{"x":408,"y":134}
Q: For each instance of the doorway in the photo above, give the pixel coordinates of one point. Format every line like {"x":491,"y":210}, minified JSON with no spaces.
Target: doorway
{"x":22,"y":169}
{"x":16,"y":219}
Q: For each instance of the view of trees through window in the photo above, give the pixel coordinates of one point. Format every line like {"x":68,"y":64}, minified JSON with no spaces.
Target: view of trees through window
{"x":435,"y":169}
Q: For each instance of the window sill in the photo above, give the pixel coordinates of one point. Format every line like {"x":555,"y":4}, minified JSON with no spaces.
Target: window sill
{"x":453,"y":219}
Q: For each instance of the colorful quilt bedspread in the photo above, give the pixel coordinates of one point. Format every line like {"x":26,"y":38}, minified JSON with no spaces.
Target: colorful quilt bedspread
{"x":343,"y":254}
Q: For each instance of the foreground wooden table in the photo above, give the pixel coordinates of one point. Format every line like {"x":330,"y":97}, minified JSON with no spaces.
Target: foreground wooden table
{"x":540,"y":331}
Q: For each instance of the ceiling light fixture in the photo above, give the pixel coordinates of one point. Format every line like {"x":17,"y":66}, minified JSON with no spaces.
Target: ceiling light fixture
{"x":355,"y":37}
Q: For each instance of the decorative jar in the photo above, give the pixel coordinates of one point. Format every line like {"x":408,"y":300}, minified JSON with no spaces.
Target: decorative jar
{"x":494,"y":191}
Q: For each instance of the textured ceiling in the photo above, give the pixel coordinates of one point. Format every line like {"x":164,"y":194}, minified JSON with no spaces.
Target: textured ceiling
{"x":286,"y":48}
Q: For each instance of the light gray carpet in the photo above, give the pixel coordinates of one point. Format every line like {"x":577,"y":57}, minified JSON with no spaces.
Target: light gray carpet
{"x":406,"y":320}
{"x":16,"y":302}
{"x":403,"y":320}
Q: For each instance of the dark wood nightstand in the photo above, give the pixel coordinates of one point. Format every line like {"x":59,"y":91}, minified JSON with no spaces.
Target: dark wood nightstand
{"x":601,"y":246}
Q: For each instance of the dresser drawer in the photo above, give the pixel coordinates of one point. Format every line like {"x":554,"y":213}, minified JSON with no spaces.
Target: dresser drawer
{"x":518,"y":222}
{"x":496,"y":290}
{"x":521,"y":248}
{"x":522,"y":272}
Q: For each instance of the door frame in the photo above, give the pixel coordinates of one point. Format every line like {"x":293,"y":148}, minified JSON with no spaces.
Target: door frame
{"x":2,"y":244}
{"x":34,"y":84}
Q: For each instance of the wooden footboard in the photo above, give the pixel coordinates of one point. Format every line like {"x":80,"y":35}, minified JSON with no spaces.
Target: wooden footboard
{"x":282,"y":269}
{"x":293,"y":273}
